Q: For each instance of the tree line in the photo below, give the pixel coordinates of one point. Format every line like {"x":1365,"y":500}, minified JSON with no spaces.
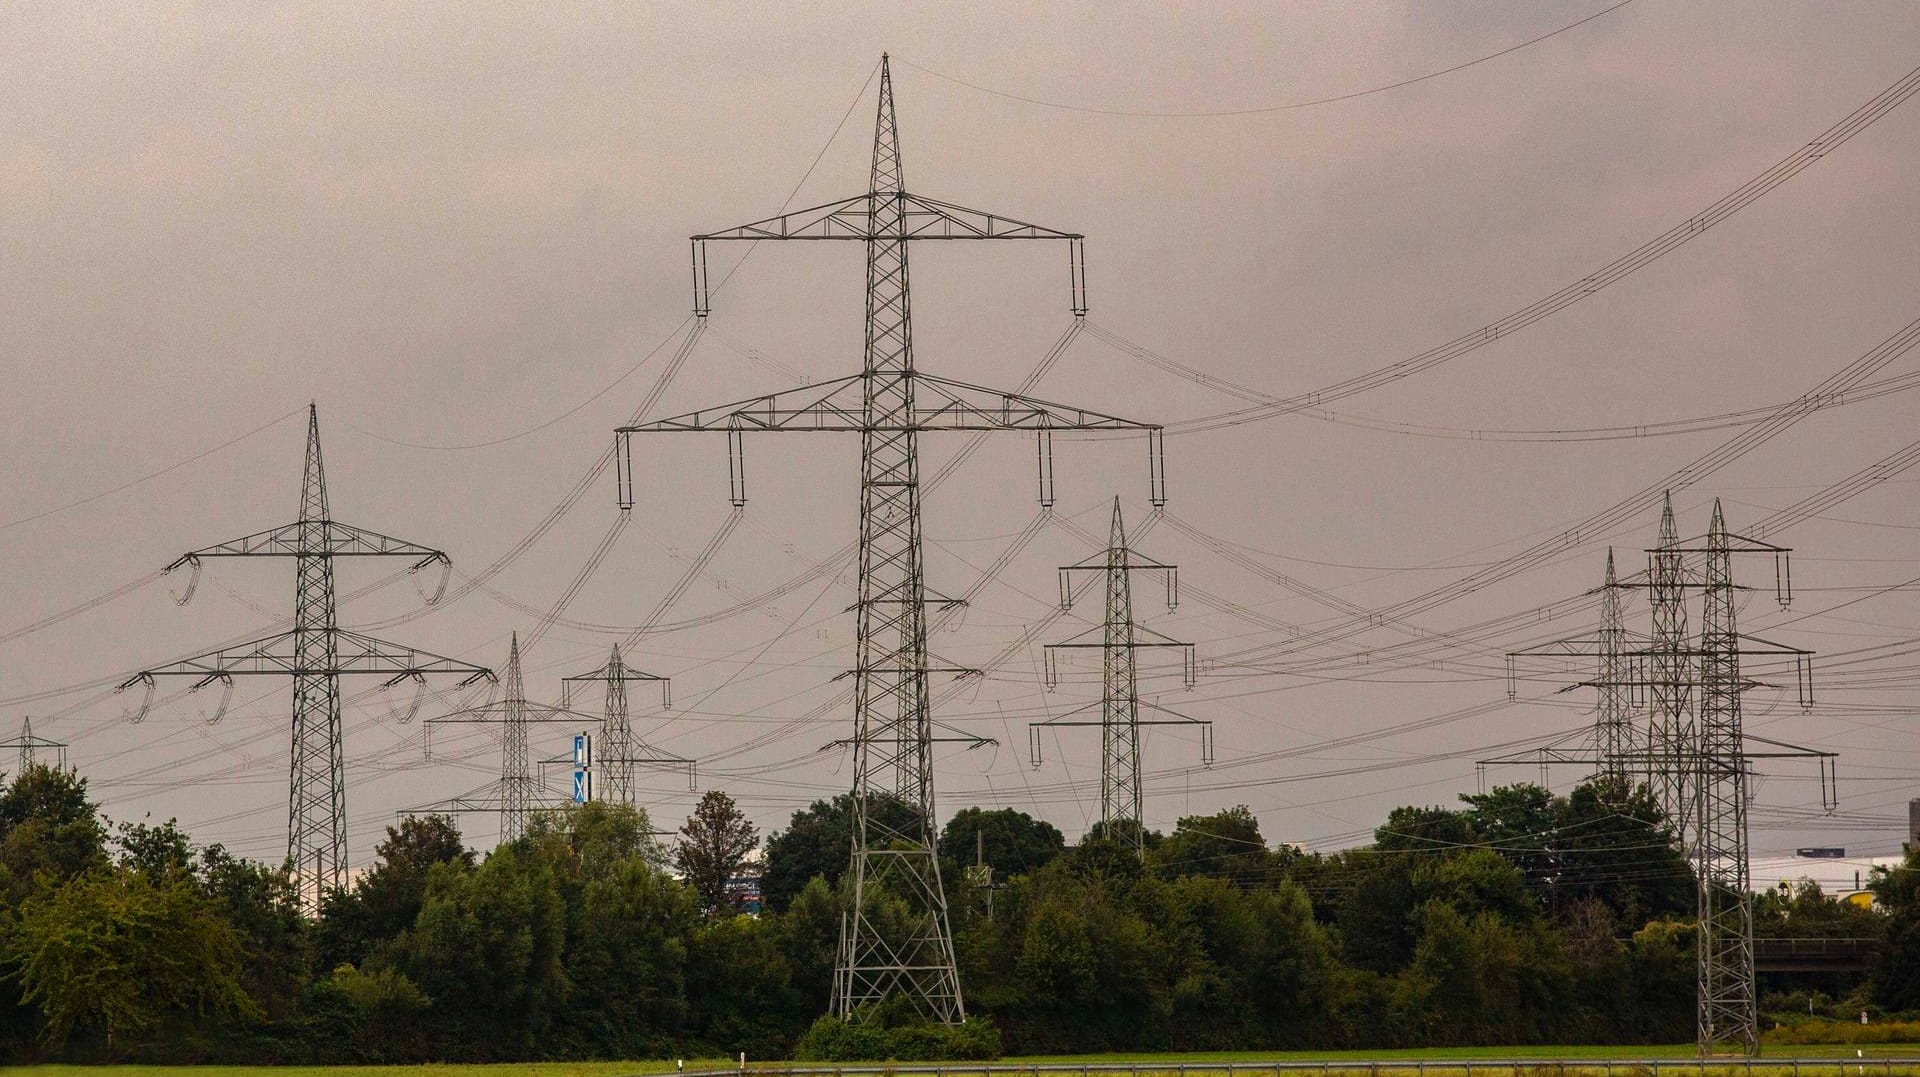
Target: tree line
{"x":1518,"y":917}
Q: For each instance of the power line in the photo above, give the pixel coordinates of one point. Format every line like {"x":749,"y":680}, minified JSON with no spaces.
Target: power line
{"x":1268,"y":109}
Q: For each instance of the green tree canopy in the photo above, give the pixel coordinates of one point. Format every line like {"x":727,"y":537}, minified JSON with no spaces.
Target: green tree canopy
{"x":1013,"y":842}
{"x":714,"y":842}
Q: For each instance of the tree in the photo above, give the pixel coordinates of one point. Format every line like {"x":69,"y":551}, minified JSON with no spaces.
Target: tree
{"x":488,"y":949}
{"x":1896,"y":976}
{"x":1013,"y":842}
{"x":47,"y":826}
{"x":120,"y":952}
{"x":387,"y":899}
{"x":1225,"y":845}
{"x":818,"y":841}
{"x":715,"y":841}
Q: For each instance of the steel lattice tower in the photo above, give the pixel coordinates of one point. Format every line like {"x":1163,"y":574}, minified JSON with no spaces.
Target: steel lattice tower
{"x":1714,"y":758}
{"x":1670,"y":722}
{"x":29,"y":747}
{"x":1718,"y":762}
{"x":315,"y":654}
{"x":1727,"y":1000}
{"x":619,"y":750}
{"x":516,"y":796}
{"x":1614,"y":754}
{"x":1613,"y":718}
{"x":888,"y":404}
{"x":1122,"y":796}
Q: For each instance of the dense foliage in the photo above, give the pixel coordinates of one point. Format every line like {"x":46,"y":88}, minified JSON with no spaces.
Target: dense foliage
{"x":1519,"y":917}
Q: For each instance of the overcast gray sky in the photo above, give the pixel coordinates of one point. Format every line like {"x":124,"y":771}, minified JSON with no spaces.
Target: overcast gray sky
{"x":452,"y":225}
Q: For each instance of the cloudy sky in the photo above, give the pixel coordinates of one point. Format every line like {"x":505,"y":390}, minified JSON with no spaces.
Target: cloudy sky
{"x":461,"y":231}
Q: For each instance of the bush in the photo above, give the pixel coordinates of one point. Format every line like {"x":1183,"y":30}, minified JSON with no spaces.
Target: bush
{"x":834,"y":1040}
{"x":1822,"y":1031}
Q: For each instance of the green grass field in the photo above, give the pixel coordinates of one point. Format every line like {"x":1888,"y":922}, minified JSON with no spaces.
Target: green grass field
{"x":1157,"y":1063}
{"x":507,"y":1069}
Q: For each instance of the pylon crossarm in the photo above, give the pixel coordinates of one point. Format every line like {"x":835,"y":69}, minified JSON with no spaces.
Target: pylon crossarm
{"x":848,"y":218}
{"x":519,"y":709}
{"x":852,"y":218}
{"x":279,"y":654}
{"x":1729,"y":543}
{"x":1783,"y":750}
{"x":1095,"y":639}
{"x":838,"y":406}
{"x":953,"y":735}
{"x":1129,"y":560}
{"x":291,"y":540}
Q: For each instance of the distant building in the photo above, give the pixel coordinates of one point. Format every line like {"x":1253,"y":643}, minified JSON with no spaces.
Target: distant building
{"x":1838,"y":876}
{"x":1913,"y":823}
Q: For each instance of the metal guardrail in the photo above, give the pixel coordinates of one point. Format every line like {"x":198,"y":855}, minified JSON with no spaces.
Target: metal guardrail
{"x":1835,"y":1066}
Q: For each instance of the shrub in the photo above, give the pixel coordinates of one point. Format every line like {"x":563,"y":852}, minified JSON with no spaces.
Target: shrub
{"x":831,"y":1039}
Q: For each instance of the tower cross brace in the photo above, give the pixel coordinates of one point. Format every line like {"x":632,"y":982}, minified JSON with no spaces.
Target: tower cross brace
{"x":315,"y":654}
{"x":889,"y":403}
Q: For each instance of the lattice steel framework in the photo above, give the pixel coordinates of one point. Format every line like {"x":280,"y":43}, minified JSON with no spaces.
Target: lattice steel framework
{"x":1119,"y":637}
{"x":315,"y":655}
{"x":1727,"y":999}
{"x":1714,"y":758}
{"x":1615,"y":751}
{"x":889,"y":404}
{"x":1671,"y":658}
{"x":619,"y":751}
{"x":30,"y":746}
{"x":516,"y":795}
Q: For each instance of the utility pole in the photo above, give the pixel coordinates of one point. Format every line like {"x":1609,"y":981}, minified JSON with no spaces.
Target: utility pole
{"x":889,"y":403}
{"x":316,"y":654}
{"x":619,"y":750}
{"x":29,"y":747}
{"x":1117,"y":637}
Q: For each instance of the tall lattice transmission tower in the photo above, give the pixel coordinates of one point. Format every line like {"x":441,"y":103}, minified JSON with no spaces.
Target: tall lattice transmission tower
{"x":1670,"y":656}
{"x":517,"y":792}
{"x":30,"y":747}
{"x":619,"y":751}
{"x":1119,"y":638}
{"x":315,"y":654}
{"x":1720,"y":765}
{"x":889,"y":403}
{"x":1709,"y":761}
{"x":1612,"y":746}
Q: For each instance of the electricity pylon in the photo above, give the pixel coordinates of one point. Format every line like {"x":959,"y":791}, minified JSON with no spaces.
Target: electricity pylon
{"x":1118,"y":637}
{"x":514,"y":795}
{"x":316,"y":654}
{"x":619,"y":751}
{"x":1671,"y":658}
{"x":1714,"y":757}
{"x":888,"y":403}
{"x":29,"y":747}
{"x":1721,"y":764}
{"x":1615,"y":751}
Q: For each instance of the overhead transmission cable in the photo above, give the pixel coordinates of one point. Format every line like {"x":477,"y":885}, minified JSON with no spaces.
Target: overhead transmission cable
{"x":1266,"y":109}
{"x":1266,"y":406}
{"x":1630,"y":507}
